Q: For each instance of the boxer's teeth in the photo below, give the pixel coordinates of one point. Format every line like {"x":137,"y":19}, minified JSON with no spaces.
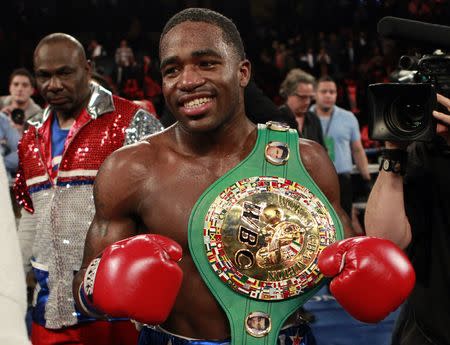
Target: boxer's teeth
{"x":196,"y":102}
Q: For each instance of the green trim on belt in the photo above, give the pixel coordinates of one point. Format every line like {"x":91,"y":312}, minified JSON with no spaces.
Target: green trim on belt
{"x":235,"y":305}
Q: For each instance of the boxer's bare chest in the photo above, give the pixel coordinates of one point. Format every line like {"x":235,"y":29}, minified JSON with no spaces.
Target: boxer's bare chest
{"x":168,"y":197}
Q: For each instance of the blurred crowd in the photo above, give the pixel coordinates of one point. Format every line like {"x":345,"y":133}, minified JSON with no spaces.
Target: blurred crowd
{"x":323,"y":38}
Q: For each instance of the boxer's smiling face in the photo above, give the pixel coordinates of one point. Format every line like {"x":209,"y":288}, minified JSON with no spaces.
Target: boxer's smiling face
{"x":202,"y":76}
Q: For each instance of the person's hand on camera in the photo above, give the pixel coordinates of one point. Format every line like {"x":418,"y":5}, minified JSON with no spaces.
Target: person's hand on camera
{"x":8,"y":115}
{"x":445,"y":118}
{"x":7,"y":109}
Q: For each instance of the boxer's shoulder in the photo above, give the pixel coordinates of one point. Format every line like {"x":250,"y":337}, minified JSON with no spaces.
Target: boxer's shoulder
{"x":310,"y":147}
{"x":141,"y":159}
{"x":141,"y":152}
{"x":312,"y":153}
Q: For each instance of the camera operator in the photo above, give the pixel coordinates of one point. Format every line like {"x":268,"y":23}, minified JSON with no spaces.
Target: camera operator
{"x":21,"y":88}
{"x":410,"y":205}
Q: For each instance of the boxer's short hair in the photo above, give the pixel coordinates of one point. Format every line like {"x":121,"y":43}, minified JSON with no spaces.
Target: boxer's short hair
{"x":230,"y":33}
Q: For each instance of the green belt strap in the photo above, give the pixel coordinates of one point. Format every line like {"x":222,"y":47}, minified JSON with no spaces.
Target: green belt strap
{"x":236,"y":305}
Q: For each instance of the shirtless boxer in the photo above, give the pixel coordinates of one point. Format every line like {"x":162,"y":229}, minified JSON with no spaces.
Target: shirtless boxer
{"x":204,"y":75}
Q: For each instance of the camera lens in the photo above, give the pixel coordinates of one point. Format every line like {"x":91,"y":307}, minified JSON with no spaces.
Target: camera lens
{"x":405,"y":117}
{"x":18,"y":116}
{"x":402,"y":112}
{"x":413,"y":115}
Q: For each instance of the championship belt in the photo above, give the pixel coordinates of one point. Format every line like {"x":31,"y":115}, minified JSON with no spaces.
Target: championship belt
{"x":256,"y":233}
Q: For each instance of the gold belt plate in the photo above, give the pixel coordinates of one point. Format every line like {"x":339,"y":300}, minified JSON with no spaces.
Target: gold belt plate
{"x":262,"y":237}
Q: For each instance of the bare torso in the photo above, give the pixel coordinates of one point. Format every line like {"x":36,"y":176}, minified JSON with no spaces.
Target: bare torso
{"x":172,"y":183}
{"x":160,"y":180}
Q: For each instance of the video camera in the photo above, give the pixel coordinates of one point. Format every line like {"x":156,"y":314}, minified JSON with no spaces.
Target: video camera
{"x":402,"y":110}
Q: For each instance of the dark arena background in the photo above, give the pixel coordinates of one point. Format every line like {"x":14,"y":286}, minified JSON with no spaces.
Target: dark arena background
{"x":336,"y":38}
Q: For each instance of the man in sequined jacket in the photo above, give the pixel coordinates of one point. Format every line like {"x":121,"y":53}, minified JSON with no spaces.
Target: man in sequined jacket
{"x":58,"y":160}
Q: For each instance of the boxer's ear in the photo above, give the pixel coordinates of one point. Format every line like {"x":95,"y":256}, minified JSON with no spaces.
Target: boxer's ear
{"x":245,"y":70}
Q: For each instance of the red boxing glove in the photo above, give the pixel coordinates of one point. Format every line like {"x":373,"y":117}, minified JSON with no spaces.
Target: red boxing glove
{"x":372,"y":276}
{"x":137,"y":278}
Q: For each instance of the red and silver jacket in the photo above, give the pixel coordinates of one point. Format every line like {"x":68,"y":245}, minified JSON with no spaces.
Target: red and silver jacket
{"x":59,"y":206}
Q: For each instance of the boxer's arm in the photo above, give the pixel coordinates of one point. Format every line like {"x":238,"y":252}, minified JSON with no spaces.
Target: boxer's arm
{"x":113,"y":220}
{"x":321,"y":169}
